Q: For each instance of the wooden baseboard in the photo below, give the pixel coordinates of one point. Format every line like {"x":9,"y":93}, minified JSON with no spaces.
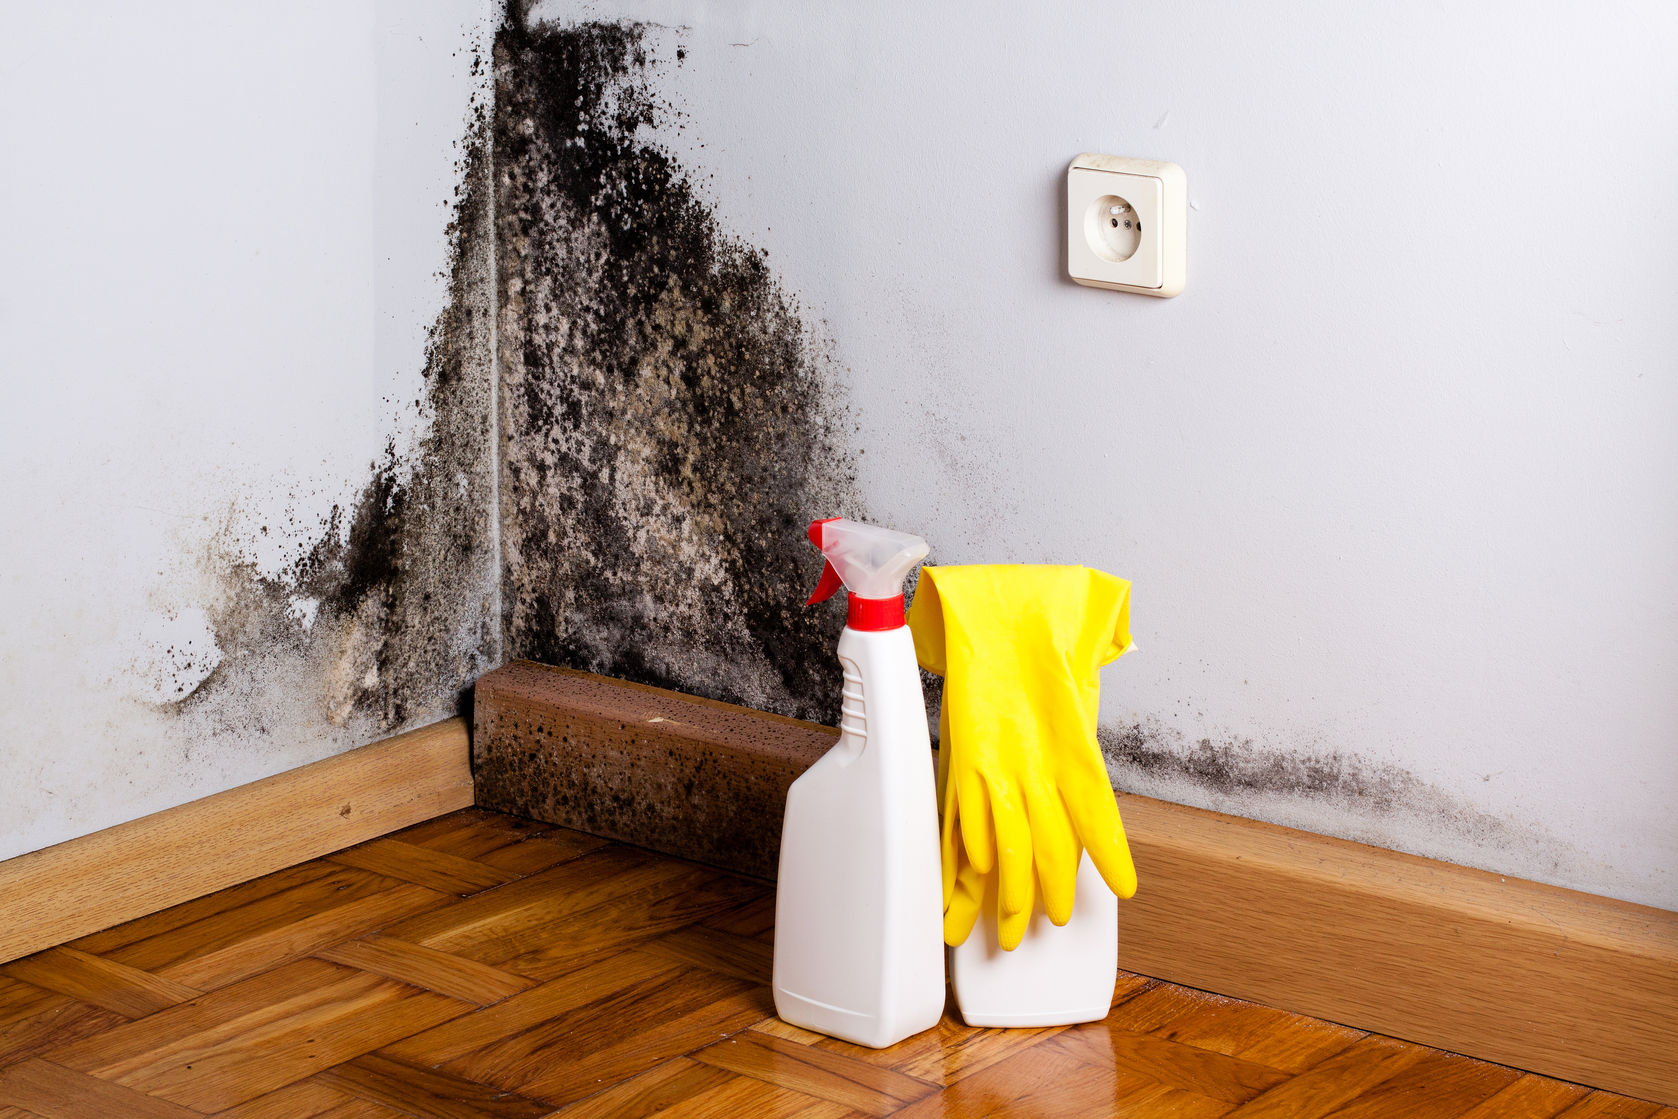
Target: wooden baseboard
{"x":86,"y":884}
{"x":1551,"y":980}
{"x":1554,"y":981}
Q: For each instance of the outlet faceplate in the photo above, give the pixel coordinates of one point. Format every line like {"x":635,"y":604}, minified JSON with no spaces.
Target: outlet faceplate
{"x":1126,"y":224}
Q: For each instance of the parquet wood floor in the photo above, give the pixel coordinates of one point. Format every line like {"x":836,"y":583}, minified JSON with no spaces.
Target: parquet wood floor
{"x":479,"y":966}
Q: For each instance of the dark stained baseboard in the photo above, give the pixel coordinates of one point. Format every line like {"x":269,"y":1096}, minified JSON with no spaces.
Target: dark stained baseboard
{"x":1551,"y":980}
{"x":670,"y":772}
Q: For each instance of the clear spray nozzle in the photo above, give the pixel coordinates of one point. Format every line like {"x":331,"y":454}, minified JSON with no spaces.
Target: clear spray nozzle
{"x":869,"y":562}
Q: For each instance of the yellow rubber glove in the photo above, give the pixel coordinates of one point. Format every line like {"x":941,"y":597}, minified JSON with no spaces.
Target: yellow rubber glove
{"x":1021,"y":783}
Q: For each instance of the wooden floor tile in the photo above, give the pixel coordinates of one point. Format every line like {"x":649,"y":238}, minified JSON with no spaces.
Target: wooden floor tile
{"x":507,"y":843}
{"x":715,"y":950}
{"x":1171,"y":1063}
{"x":1099,"y":1090}
{"x":1437,"y":1086}
{"x":422,"y":866}
{"x":502,"y":923}
{"x":1031,"y":1071}
{"x":1230,"y":1026}
{"x":754,"y":918}
{"x":685,"y":1088}
{"x":234,"y":1044}
{"x":613,"y":1019}
{"x":952,"y":1051}
{"x":363,"y":1109}
{"x":33,"y":1020}
{"x":549,"y":923}
{"x":476,"y":832}
{"x":1529,"y":1097}
{"x":1603,"y":1105}
{"x":542,"y":852}
{"x":654,"y":1092}
{"x":743,"y":1096}
{"x":775,"y":1027}
{"x":275,"y":945}
{"x":530,"y":1009}
{"x":242,"y":931}
{"x":52,"y":1091}
{"x":426,"y":1092}
{"x":622,"y":919}
{"x":1363,"y":1065}
{"x":420,"y":966}
{"x":1155,"y":1006}
{"x":562,"y":1081}
{"x":161,"y":938}
{"x":304,"y":1099}
{"x":863,"y":1087}
{"x":100,"y":982}
{"x":1297,"y":1044}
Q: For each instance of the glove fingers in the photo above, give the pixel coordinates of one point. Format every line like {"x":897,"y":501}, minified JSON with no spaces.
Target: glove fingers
{"x":973,"y":801}
{"x":1015,"y":888}
{"x":1095,"y":816}
{"x":1056,"y":851}
{"x":949,"y":849}
{"x":961,"y":911}
{"x":1011,"y":928}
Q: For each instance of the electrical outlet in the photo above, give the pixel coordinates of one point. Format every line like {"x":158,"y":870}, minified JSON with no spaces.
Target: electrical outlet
{"x":1126,"y":224}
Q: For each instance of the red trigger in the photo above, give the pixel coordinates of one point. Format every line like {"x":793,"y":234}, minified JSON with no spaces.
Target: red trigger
{"x":825,"y":589}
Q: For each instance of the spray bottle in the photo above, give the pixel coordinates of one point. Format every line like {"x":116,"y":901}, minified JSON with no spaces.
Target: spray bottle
{"x":859,"y":947}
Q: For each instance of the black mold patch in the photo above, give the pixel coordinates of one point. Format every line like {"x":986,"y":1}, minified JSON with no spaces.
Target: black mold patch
{"x":668,"y":421}
{"x":1229,"y":768}
{"x":1333,"y":792}
{"x":389,"y":616}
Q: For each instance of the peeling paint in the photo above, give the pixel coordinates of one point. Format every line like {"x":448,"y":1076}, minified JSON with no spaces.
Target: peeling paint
{"x":670,"y":419}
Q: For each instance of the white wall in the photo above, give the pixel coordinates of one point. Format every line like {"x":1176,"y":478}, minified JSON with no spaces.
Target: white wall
{"x":1396,"y":477}
{"x":216,"y":278}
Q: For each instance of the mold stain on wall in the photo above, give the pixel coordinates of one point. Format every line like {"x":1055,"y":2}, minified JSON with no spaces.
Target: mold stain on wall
{"x":668,"y":425}
{"x":1332,"y":792}
{"x":384,"y":622}
{"x":670,"y":420}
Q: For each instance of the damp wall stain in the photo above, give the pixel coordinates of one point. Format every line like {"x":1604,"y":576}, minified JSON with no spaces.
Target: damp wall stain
{"x":670,"y":419}
{"x":1332,"y":792}
{"x":385,"y":621}
{"x":668,"y":424}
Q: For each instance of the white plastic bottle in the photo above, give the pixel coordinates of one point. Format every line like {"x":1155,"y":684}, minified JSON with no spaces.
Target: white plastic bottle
{"x":859,"y":948}
{"x":1056,"y":977}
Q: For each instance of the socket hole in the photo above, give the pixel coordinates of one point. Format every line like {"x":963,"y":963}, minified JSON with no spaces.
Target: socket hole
{"x":1112,"y":228}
